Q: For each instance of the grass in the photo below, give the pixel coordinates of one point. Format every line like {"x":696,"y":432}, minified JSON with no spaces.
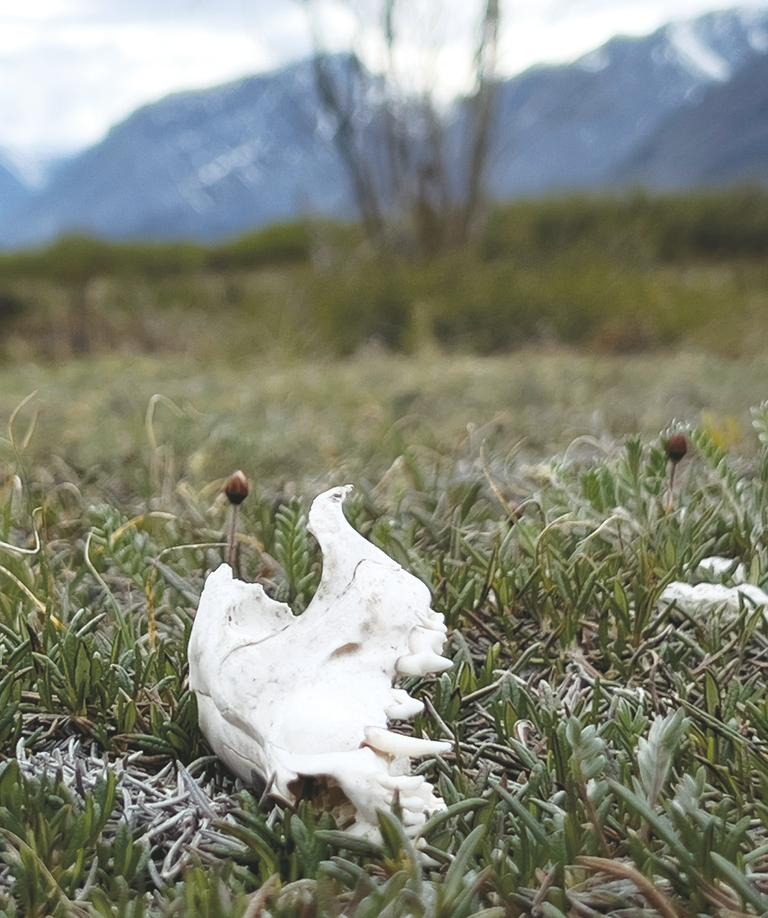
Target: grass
{"x":610,"y":755}
{"x":620,"y":274}
{"x":298,"y":424}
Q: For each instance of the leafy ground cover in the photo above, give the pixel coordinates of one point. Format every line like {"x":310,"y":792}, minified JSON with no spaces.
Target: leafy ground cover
{"x":610,"y":754}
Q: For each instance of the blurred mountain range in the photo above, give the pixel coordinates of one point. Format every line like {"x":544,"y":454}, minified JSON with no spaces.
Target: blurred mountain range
{"x":605,"y":119}
{"x":13,"y":192}
{"x":721,"y":140}
{"x":684,"y":107}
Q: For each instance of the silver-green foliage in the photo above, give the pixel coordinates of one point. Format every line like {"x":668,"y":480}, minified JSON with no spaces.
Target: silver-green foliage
{"x":609,"y":754}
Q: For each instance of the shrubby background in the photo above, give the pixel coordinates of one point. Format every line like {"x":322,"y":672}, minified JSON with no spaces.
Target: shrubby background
{"x":615,"y":275}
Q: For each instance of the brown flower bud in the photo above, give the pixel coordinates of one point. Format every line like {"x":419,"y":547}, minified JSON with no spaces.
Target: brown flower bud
{"x":676,"y":447}
{"x":237,"y":487}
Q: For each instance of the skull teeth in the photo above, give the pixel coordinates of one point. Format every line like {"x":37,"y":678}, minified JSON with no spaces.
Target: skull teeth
{"x":400,"y":746}
{"x":425,"y":639}
{"x":418,"y":800}
{"x":413,"y":819}
{"x":435,"y":621}
{"x":422,"y":663}
{"x":403,"y":706}
{"x":402,"y":782}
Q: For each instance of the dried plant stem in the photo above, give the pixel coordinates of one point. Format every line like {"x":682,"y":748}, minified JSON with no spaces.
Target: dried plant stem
{"x":232,"y":538}
{"x":595,"y":820}
{"x":647,"y":888}
{"x":671,"y":487}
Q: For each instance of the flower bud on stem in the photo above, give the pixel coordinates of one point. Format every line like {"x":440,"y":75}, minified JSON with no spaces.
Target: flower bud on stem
{"x":236,"y":490}
{"x":676,"y":448}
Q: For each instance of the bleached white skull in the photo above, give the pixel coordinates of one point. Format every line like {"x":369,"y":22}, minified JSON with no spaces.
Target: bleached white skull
{"x":284,"y":696}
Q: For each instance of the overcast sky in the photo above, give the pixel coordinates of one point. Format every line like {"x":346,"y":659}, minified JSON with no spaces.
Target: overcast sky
{"x":71,"y":68}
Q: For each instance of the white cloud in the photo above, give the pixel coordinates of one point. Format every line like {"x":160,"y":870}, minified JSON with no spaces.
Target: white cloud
{"x":560,"y":30}
{"x":71,"y":68}
{"x":63,"y":90}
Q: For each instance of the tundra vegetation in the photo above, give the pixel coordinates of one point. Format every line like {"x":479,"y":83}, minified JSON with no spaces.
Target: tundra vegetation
{"x":617,"y":275}
{"x":609,"y":752}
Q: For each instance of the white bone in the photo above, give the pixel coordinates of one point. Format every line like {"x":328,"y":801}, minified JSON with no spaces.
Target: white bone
{"x":413,"y":819}
{"x":717,"y":568}
{"x":434,"y":620}
{"x":400,"y":746}
{"x":425,"y":639}
{"x":402,"y":782}
{"x":281,"y":696}
{"x":422,"y":664}
{"x":705,"y":597}
{"x":403,"y":706}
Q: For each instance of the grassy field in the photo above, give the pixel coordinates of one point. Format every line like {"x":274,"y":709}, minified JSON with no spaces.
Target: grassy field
{"x":610,"y":755}
{"x":137,"y":425}
{"x":617,"y":275}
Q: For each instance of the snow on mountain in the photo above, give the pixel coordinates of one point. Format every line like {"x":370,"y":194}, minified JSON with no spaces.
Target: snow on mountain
{"x":198,"y":165}
{"x":214,"y":163}
{"x":696,"y":54}
{"x":573,"y":126}
{"x":722,"y":140}
{"x":754,"y":21}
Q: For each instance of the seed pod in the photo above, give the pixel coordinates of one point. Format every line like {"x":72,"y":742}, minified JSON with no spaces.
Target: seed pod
{"x":237,"y":488}
{"x":676,"y":447}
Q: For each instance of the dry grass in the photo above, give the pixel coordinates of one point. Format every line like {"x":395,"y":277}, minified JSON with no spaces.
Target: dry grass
{"x":295,"y":421}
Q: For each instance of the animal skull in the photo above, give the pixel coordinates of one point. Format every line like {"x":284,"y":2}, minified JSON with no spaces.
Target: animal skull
{"x":284,"y":696}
